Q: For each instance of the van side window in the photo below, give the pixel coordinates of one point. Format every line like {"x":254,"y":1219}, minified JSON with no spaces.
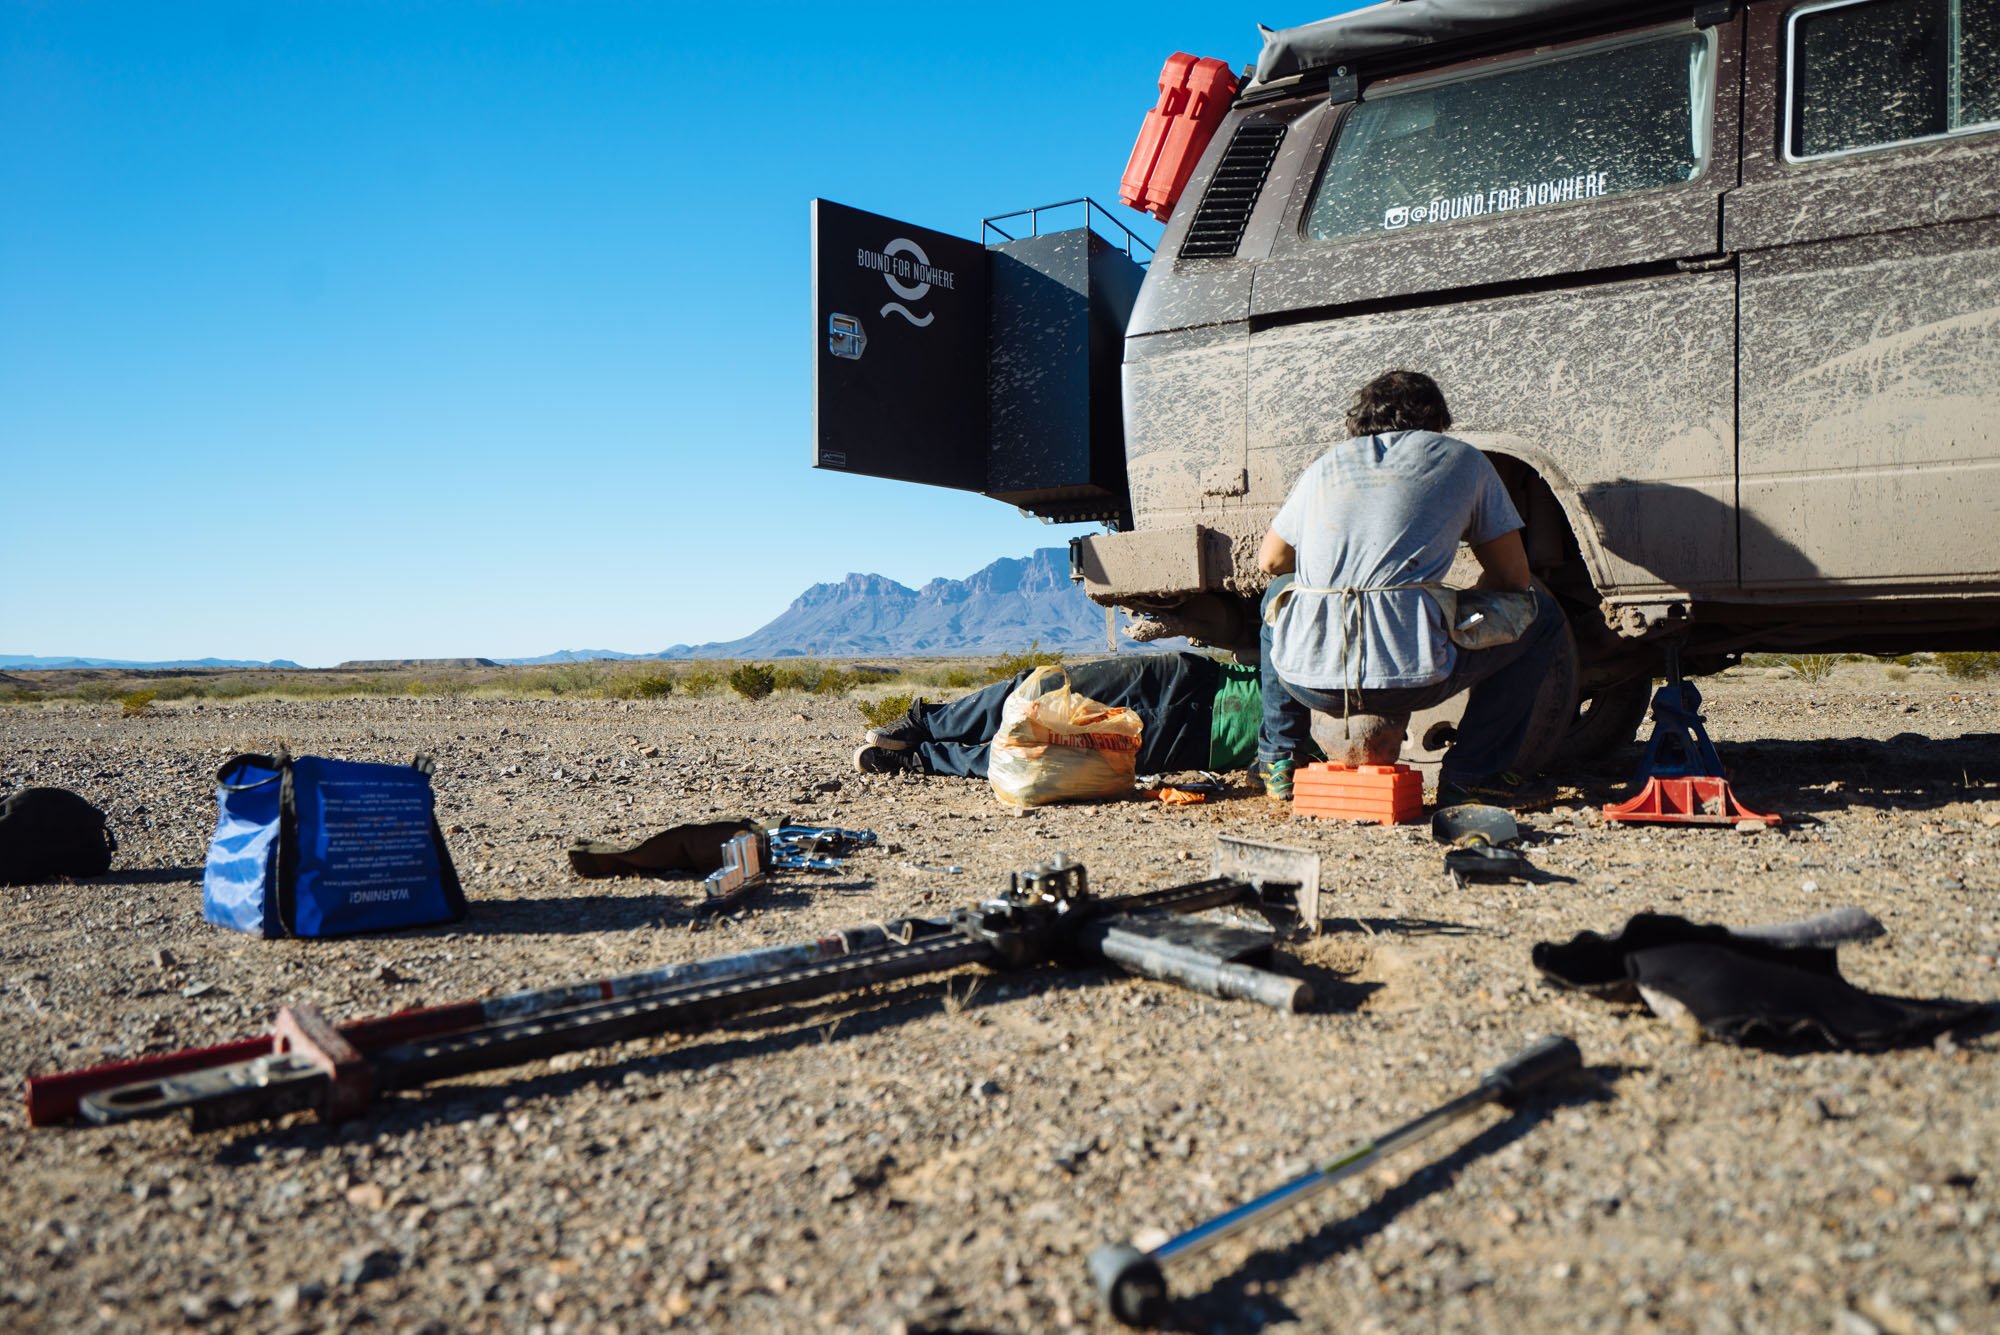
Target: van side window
{"x":1869,"y":73}
{"x":1602,"y":122}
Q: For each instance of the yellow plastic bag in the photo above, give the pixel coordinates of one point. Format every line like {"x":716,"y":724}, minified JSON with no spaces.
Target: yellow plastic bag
{"x":1057,"y":746}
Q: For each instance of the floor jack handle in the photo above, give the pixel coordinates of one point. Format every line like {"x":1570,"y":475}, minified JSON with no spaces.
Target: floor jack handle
{"x":1132,"y":1283}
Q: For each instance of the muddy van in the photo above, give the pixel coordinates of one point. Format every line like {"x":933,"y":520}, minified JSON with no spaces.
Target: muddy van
{"x":1714,"y":285}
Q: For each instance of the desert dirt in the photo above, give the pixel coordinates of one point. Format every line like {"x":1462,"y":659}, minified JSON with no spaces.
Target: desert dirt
{"x":942,"y":1154}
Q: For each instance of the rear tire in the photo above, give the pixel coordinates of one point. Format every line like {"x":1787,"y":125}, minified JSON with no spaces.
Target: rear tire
{"x":1608,"y":719}
{"x":1549,"y":722}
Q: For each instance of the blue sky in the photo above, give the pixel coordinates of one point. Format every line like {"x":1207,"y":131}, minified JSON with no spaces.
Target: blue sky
{"x":352,"y":330}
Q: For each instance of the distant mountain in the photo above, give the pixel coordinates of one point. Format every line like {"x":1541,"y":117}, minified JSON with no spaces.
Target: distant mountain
{"x":405,"y":664}
{"x":1011,"y":604}
{"x":571,"y":656}
{"x":33,"y":662}
{"x":1004,"y":608}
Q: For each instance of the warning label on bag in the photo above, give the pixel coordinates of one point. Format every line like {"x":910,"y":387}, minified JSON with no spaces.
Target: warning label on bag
{"x":377,"y":840}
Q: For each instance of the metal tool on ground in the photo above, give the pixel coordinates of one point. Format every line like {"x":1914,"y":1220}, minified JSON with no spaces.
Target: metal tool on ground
{"x":815,"y":847}
{"x":1682,"y":776}
{"x":1045,"y":915}
{"x":742,"y":871}
{"x":1482,"y":840}
{"x":1470,"y":824}
{"x":1133,"y":1283}
{"x":1272,"y":868}
{"x":55,"y":1098}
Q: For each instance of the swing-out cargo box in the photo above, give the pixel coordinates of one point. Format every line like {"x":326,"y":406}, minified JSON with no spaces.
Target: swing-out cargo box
{"x":1715,"y":286}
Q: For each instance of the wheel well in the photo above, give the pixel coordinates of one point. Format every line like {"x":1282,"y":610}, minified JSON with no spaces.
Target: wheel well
{"x":1558,"y":560}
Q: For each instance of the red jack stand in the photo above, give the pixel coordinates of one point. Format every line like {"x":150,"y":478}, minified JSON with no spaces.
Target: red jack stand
{"x":1685,"y":783}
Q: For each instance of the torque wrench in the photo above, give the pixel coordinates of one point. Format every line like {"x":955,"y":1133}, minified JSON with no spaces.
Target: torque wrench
{"x":1132,"y":1283}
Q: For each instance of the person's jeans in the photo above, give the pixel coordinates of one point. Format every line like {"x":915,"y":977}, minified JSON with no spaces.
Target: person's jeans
{"x":1172,"y":693}
{"x":1286,"y":732}
{"x":1504,"y":682}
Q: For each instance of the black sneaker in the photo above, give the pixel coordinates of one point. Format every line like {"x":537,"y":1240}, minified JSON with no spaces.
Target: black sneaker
{"x":901,"y":735}
{"x":882,"y":760}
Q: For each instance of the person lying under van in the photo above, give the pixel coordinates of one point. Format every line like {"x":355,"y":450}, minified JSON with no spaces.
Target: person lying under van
{"x":1196,"y":714}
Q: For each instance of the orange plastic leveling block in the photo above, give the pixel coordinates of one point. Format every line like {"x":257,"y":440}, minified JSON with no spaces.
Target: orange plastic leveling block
{"x":1384,"y":794}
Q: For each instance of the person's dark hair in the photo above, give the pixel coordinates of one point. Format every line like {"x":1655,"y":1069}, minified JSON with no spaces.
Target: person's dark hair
{"x":1398,"y":401}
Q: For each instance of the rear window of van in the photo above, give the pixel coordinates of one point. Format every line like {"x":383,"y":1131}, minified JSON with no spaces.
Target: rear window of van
{"x":1605,"y":121}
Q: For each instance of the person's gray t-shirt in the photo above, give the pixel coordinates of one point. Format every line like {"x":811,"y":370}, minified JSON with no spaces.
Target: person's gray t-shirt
{"x":1380,"y":513}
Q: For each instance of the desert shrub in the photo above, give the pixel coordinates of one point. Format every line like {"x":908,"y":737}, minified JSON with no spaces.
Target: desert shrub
{"x":821,"y":679}
{"x":1031,"y":657}
{"x":753,"y":681}
{"x":889,"y":709}
{"x":576,"y":679}
{"x":640,"y":685}
{"x":701,"y":681}
{"x":1812,"y":669}
{"x":1969,"y":666}
{"x":233,"y":688}
{"x":1001,"y":669}
{"x":97,"y":692}
{"x":137,"y":702}
{"x":812,"y":678}
{"x":1896,"y":672}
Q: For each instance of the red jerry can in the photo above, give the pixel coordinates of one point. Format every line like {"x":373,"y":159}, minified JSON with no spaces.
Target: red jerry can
{"x":1194,"y":94}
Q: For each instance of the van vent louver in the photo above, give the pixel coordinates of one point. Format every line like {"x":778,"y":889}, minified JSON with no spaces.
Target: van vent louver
{"x":1218,"y":224}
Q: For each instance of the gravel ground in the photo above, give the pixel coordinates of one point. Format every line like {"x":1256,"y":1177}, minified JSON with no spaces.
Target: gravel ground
{"x":943,"y":1154}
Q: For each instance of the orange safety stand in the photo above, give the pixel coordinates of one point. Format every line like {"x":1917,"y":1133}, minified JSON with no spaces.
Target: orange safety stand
{"x":1384,"y":794}
{"x":1692,"y":799}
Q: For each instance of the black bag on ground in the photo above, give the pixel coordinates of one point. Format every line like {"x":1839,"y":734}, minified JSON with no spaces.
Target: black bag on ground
{"x":50,"y":833}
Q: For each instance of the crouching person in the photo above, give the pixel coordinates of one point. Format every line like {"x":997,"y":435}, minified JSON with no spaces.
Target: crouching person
{"x":1357,"y":629}
{"x":1195,"y":714}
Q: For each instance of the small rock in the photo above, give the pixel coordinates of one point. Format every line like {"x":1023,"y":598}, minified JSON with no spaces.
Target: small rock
{"x":1751,"y":827}
{"x":364,"y":1263}
{"x":286,"y":1300}
{"x":164,"y":958}
{"x":367,"y":1195}
{"x":1809,"y":887}
{"x":986,"y":1089}
{"x":193,"y":990}
{"x":827,"y":786}
{"x":1071,"y":1156}
{"x":386,"y":973}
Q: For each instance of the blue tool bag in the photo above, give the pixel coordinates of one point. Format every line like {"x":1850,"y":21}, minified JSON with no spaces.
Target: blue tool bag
{"x":314,"y":847}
